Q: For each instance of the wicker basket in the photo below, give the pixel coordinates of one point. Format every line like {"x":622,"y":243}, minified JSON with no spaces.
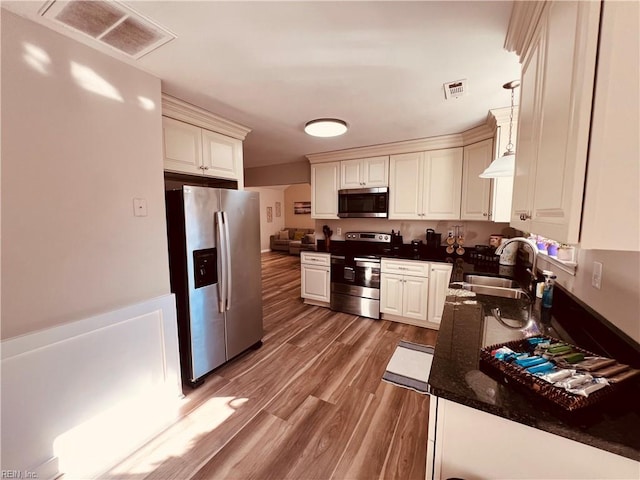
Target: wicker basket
{"x":508,"y":372}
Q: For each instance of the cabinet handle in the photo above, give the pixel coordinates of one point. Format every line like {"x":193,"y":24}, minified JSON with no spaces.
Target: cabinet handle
{"x":485,"y":214}
{"x":524,"y":216}
{"x":206,"y":168}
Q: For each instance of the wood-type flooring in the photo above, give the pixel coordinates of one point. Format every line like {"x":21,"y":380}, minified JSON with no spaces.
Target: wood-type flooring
{"x":309,"y":404}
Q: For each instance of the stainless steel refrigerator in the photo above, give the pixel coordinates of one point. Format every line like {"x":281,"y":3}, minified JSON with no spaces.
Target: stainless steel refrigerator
{"x":214,"y":260}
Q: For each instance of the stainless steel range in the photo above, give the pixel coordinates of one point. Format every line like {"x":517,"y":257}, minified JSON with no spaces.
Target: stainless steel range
{"x":355,"y":276}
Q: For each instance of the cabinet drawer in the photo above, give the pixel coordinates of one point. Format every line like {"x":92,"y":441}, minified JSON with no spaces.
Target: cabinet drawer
{"x":314,"y":258}
{"x":406,"y":267}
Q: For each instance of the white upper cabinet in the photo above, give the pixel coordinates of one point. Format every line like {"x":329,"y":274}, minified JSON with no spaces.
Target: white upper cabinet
{"x":405,"y":186}
{"x":365,"y":173}
{"x":555,"y":114}
{"x":610,"y":218}
{"x":325,"y":180}
{"x":426,"y":185}
{"x":197,"y":142}
{"x":221,"y":155}
{"x":476,"y":191}
{"x":526,"y":150}
{"x":182,"y":146}
{"x":443,"y":184}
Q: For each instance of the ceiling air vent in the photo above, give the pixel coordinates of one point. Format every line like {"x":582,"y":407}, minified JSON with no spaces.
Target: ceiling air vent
{"x":110,"y":23}
{"x":455,"y":89}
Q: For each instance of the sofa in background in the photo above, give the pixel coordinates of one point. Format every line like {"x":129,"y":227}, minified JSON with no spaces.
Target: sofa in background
{"x":293,"y":240}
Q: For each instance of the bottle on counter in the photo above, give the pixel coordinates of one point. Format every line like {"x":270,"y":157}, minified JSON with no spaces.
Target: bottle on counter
{"x":547,"y":292}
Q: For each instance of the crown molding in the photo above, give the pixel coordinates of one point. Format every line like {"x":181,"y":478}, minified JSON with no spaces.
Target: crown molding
{"x":525,"y":16}
{"x":477,"y":134}
{"x":185,"y":112}
{"x":407,"y":146}
{"x":500,"y":116}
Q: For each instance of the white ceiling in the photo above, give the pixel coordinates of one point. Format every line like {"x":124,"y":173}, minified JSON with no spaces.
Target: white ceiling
{"x":380,"y":66}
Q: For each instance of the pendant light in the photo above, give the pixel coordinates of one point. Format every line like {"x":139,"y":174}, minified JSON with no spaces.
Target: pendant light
{"x":505,"y":165}
{"x":325,"y":127}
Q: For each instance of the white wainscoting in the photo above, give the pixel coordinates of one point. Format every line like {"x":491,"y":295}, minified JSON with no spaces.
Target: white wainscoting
{"x":79,"y":397}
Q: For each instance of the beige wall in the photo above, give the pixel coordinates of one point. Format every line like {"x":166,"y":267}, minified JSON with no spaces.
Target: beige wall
{"x":619,"y":298}
{"x":297,"y":193}
{"x":282,"y":174}
{"x":268,"y":198}
{"x":77,"y":148}
{"x":475,"y":233}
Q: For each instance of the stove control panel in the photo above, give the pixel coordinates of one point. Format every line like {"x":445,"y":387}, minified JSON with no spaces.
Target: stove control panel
{"x":368,"y":237}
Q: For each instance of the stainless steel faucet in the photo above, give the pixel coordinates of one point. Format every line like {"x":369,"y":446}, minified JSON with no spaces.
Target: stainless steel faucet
{"x":534,"y":250}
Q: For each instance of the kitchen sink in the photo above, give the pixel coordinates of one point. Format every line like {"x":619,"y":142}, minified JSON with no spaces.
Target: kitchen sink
{"x":491,"y":281}
{"x":506,"y":292}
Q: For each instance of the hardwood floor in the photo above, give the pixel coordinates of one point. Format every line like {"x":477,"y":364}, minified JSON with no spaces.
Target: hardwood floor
{"x":309,"y":404}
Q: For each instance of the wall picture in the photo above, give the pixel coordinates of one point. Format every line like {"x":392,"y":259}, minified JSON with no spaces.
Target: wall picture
{"x":300,"y":208}
{"x":269,"y":214}
{"x":278,"y":209}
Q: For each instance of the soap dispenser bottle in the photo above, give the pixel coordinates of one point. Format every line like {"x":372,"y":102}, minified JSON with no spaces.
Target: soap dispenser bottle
{"x":547,"y":293}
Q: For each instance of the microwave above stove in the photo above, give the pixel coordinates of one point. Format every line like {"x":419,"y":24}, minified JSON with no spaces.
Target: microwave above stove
{"x":363,"y":203}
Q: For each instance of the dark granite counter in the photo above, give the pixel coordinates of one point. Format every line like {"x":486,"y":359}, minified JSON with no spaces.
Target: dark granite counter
{"x":467,"y":326}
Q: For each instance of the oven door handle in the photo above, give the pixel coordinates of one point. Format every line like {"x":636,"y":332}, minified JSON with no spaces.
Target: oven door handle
{"x":368,"y":264}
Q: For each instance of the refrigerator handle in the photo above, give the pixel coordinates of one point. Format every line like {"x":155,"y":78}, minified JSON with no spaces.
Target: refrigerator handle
{"x":227,"y":249}
{"x":220,"y":240}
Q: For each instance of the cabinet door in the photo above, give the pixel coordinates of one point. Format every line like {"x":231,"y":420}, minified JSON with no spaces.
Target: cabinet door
{"x":375,"y":171}
{"x":439,"y":279}
{"x":476,"y":191}
{"x":615,"y":144}
{"x":325,"y":179}
{"x":221,"y":155}
{"x":182,"y":146}
{"x":415,"y":296}
{"x":458,"y":447}
{"x":315,"y":283}
{"x":351,"y":174}
{"x":391,"y":293}
{"x":442,"y":186}
{"x":405,"y":186}
{"x":527,"y":146}
{"x":567,"y":92}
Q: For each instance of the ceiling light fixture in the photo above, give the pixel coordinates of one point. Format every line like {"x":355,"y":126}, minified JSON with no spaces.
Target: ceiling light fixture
{"x":325,"y":127}
{"x":505,"y":165}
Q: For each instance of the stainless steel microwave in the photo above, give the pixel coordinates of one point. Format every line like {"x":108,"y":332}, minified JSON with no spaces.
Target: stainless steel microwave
{"x":363,"y":203}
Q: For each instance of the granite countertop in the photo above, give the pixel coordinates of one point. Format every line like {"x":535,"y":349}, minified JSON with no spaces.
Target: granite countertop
{"x":467,"y":326}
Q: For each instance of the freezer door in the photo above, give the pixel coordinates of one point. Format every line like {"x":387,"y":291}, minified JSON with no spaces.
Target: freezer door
{"x":206,"y":323}
{"x":244,"y":303}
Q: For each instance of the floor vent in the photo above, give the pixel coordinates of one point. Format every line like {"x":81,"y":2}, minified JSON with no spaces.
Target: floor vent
{"x":455,"y":89}
{"x":110,"y":23}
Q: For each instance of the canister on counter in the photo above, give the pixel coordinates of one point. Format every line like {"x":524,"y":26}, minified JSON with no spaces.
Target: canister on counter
{"x":495,"y":240}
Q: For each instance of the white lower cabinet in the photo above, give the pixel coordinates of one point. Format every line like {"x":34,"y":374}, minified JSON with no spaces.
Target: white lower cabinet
{"x":409,"y":293}
{"x":315,"y":271}
{"x":439,"y":279}
{"x":474,"y":445}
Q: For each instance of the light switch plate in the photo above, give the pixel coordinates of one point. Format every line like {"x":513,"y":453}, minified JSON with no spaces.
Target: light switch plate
{"x":338,"y":231}
{"x":139,"y":207}
{"x":596,"y":276}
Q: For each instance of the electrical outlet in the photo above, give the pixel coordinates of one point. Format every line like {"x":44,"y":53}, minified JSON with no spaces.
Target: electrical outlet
{"x":450,"y":233}
{"x":596,"y":276}
{"x":139,"y":207}
{"x":338,"y":231}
